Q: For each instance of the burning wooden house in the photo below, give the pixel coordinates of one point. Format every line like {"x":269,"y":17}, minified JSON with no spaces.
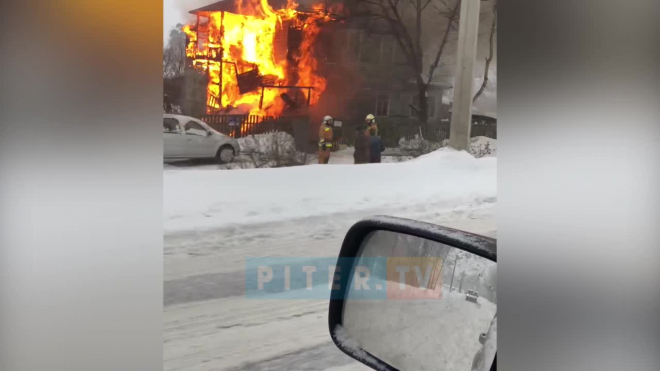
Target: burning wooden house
{"x":258,"y":60}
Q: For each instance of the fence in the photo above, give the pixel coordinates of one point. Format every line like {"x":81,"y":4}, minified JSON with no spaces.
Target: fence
{"x":484,"y":130}
{"x":246,"y":125}
{"x":240,"y":126}
{"x":391,"y":133}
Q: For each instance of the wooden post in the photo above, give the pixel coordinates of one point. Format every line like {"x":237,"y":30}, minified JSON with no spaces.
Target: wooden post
{"x":261,"y":101}
{"x":222,"y":54}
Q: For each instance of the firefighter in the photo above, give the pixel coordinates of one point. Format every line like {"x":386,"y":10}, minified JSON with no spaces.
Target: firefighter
{"x":370,"y":122}
{"x":325,"y":140}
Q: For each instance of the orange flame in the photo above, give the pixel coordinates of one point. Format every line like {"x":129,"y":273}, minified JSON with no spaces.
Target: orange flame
{"x":247,"y":40}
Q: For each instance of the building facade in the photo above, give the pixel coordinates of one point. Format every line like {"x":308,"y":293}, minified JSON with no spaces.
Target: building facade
{"x":366,"y":73}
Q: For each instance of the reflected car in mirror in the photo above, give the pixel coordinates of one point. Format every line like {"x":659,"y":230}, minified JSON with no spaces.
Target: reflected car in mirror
{"x":472,"y":296}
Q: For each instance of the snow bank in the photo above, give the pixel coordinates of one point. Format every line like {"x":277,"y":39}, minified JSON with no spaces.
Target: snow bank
{"x":202,"y":199}
{"x":478,"y":144}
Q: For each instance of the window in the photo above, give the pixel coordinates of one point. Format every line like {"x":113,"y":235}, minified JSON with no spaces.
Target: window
{"x":382,"y":105}
{"x":431,"y":104}
{"x":399,"y":55}
{"x":430,"y":100}
{"x":370,"y":48}
{"x":328,"y":49}
{"x":387,"y":51}
{"x":353,"y":44}
{"x":193,"y":128}
{"x":171,"y":125}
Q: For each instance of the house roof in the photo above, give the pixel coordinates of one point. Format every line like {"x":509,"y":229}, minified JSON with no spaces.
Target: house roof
{"x":230,"y":6}
{"x":223,"y":5}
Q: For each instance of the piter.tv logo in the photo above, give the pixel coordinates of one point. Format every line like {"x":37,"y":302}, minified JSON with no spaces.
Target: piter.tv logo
{"x":405,"y":278}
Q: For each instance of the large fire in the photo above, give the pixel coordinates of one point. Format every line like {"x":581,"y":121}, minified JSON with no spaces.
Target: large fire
{"x":229,"y":46}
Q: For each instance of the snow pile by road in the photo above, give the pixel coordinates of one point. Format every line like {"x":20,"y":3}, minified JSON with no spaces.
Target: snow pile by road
{"x":484,"y":146}
{"x":480,"y":146}
{"x":202,"y":199}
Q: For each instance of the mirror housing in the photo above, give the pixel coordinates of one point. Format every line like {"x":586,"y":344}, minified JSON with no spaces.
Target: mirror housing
{"x":354,"y":244}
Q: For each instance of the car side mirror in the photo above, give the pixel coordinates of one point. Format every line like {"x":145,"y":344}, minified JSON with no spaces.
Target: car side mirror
{"x":209,"y":133}
{"x":403,"y":304}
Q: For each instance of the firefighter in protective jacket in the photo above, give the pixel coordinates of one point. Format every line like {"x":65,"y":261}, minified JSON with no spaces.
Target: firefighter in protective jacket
{"x":370,"y":121}
{"x":325,"y":140}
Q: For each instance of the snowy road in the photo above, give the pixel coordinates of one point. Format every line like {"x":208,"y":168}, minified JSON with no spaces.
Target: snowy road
{"x":210,"y":325}
{"x":215,"y":219}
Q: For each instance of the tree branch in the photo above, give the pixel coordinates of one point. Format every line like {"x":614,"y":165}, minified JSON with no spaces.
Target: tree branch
{"x":443,"y":43}
{"x":447,"y":10}
{"x":493,"y":27}
{"x":425,"y":5}
{"x":400,"y":32}
{"x":418,"y":38}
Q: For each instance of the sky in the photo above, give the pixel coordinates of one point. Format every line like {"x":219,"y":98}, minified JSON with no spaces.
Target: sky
{"x":171,"y":16}
{"x":176,"y":11}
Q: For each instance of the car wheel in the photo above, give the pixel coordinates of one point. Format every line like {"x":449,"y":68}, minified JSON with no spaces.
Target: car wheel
{"x":225,"y":154}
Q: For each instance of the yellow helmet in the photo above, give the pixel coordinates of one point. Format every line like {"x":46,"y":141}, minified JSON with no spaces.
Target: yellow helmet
{"x":370,"y":119}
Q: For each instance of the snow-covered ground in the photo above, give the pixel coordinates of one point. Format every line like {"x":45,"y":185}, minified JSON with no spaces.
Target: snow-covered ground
{"x":202,"y":199}
{"x":441,"y":334}
{"x":256,"y":152}
{"x":209,"y":324}
{"x":215,"y":219}
{"x":345,"y":156}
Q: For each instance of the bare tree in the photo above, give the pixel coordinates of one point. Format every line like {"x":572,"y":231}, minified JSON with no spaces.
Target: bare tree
{"x":174,"y":54}
{"x":489,"y":58}
{"x":407,"y":20}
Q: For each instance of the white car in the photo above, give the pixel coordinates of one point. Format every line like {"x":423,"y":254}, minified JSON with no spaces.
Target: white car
{"x":472,"y":296}
{"x":186,"y":137}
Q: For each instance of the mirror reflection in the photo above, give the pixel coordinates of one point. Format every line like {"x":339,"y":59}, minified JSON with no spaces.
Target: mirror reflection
{"x":430,"y":306}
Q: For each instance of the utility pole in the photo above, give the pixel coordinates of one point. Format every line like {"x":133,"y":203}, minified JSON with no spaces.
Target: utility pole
{"x":460,"y":287}
{"x":461,"y":116}
{"x":453,"y":272}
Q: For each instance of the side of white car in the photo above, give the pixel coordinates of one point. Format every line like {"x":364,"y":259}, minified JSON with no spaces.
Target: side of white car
{"x":187,"y":137}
